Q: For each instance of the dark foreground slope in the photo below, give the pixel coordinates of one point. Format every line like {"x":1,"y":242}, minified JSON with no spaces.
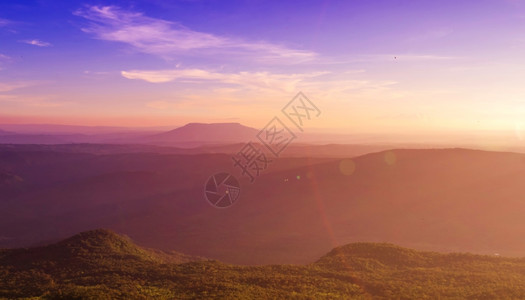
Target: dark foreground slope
{"x":102,"y":265}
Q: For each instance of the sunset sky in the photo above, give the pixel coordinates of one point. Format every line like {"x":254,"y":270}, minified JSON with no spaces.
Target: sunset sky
{"x":370,"y":66}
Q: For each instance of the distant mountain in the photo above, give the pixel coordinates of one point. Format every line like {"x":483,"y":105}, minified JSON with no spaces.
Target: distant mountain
{"x":43,"y":139}
{"x":189,"y":135}
{"x":51,"y":134}
{"x":58,"y":129}
{"x":293,"y":150}
{"x":195,"y":134}
{"x":100,"y":264}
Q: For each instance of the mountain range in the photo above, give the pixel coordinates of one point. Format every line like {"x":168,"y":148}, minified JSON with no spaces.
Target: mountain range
{"x":296,"y":210}
{"x":189,"y":135}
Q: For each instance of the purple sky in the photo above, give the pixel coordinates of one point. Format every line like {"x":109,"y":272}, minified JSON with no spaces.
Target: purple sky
{"x":371,"y":66}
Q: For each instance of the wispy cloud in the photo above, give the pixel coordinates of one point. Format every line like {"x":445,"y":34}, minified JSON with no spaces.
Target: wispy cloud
{"x":35,"y":42}
{"x":7,"y":87}
{"x":40,"y":101}
{"x":404,"y":57}
{"x":350,"y":60}
{"x":97,"y":74}
{"x":259,"y":80}
{"x":11,"y":93}
{"x":4,"y":22}
{"x":3,"y":59}
{"x":169,"y":39}
{"x":434,"y":34}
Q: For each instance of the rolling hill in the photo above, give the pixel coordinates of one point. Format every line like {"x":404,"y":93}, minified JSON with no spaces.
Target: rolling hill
{"x":101,"y":264}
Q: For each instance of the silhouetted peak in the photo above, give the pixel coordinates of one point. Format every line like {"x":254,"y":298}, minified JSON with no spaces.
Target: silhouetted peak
{"x":208,"y":132}
{"x":196,"y":124}
{"x":212,"y":126}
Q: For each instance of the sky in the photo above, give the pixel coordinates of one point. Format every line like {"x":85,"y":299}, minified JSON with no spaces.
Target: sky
{"x":391,"y":67}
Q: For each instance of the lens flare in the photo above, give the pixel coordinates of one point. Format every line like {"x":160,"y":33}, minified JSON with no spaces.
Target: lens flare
{"x":347,"y":167}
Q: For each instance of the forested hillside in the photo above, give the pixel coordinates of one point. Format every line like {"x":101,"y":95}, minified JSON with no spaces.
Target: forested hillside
{"x":102,"y":265}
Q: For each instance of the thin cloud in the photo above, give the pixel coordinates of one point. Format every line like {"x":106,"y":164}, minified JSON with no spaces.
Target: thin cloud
{"x":46,"y":101}
{"x":431,"y":35}
{"x":404,"y":57}
{"x":350,"y":60}
{"x":38,"y":43}
{"x":265,"y":84}
{"x":259,"y":80}
{"x":168,"y":39}
{"x":3,"y":59}
{"x":425,"y":57}
{"x":4,"y":22}
{"x":7,"y":87}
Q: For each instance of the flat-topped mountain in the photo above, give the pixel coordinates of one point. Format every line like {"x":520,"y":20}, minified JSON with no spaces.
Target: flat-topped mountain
{"x":206,"y":133}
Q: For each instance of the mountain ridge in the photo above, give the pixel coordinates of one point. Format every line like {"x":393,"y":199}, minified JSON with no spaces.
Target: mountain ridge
{"x":413,"y":198}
